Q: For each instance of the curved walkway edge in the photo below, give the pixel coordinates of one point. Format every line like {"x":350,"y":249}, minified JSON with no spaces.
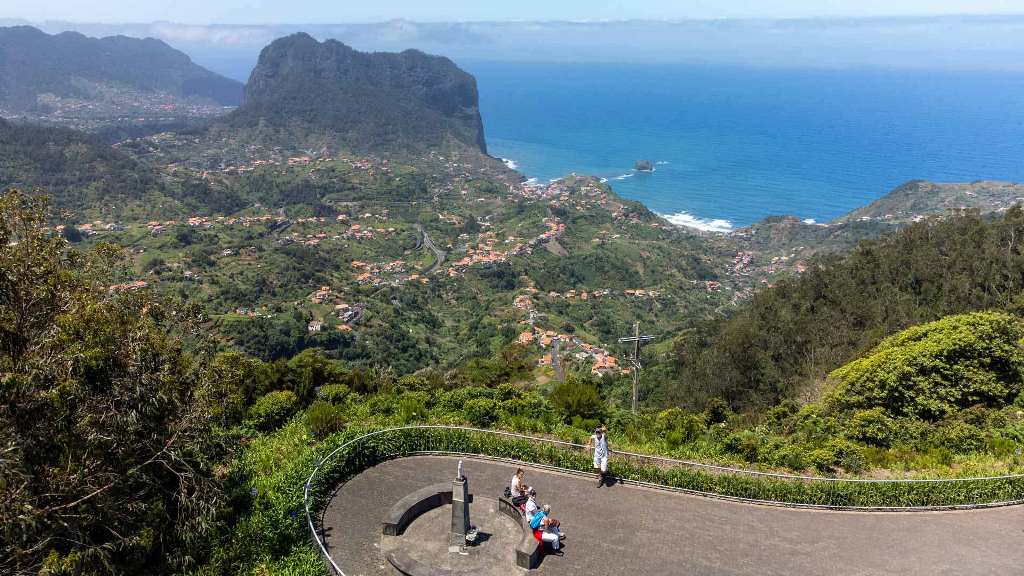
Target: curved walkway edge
{"x":350,"y":459}
{"x":635,"y":529}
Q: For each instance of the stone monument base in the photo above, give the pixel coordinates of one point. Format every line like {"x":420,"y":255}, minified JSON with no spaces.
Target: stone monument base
{"x":423,"y":548}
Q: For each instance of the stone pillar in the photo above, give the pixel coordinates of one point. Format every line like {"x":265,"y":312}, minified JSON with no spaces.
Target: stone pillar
{"x":460,"y":513}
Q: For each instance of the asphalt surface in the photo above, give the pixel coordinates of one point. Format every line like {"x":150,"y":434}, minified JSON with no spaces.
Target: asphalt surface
{"x":439,"y":255}
{"x":426,"y":540}
{"x":625,"y":529}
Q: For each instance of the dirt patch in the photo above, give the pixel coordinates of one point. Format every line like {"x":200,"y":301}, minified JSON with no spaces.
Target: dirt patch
{"x":555,"y":248}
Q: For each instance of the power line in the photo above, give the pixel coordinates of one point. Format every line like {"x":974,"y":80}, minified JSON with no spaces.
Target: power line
{"x":636,"y":339}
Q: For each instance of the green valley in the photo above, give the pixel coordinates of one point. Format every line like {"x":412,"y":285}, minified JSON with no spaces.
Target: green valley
{"x":192,"y":317}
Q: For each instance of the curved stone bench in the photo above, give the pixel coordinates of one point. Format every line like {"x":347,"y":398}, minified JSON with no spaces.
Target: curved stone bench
{"x":412,"y":506}
{"x":529,"y":549}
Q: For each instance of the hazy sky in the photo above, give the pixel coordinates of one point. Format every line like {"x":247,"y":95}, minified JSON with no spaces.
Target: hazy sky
{"x":337,"y":11}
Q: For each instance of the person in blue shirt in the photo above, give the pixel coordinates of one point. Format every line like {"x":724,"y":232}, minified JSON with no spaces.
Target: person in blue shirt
{"x":547,"y":529}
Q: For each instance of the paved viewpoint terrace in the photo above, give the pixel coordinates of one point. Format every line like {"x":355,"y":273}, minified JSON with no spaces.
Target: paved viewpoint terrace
{"x":626,"y":529}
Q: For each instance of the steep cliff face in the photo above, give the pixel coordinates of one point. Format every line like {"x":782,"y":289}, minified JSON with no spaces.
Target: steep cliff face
{"x":369,"y":101}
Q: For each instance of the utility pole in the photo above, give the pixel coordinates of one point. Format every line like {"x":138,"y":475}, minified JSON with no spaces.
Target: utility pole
{"x":636,"y":339}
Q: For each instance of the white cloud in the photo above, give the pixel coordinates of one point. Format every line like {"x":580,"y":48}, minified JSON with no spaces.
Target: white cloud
{"x":222,"y":35}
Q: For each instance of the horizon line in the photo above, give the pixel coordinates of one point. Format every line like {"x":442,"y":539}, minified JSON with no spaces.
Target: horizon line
{"x":731,"y":19}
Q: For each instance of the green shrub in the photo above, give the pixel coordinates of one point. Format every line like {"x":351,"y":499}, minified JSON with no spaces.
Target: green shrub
{"x":324,"y":419}
{"x":935,"y":370}
{"x":822,"y":460}
{"x":814,"y":425}
{"x":334,"y":393}
{"x":272,"y":409}
{"x":527,"y":404}
{"x":960,"y":437}
{"x":668,"y":420}
{"x":413,"y":382}
{"x":412,"y":407}
{"x":674,"y":439}
{"x":521,"y":423}
{"x":746,"y":443}
{"x":588,"y":424}
{"x":1000,"y":446}
{"x":454,"y":401}
{"x":873,"y":427}
{"x":717,"y":410}
{"x":481,"y":412}
{"x":309,"y":370}
{"x":679,"y":427}
{"x":782,"y":412}
{"x":793,"y":457}
{"x":838,"y":454}
{"x":575,"y":398}
{"x":847,"y":455}
{"x":506,"y":392}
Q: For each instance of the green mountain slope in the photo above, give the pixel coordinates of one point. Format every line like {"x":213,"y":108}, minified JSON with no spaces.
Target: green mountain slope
{"x":918,"y":198}
{"x":787,"y":338}
{"x":72,"y":78}
{"x":91,"y":179}
{"x":786,"y":243}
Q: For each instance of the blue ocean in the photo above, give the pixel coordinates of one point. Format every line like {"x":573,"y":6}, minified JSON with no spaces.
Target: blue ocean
{"x":732,"y":145}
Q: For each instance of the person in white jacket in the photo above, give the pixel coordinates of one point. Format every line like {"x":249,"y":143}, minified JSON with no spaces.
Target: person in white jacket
{"x":598,"y":444}
{"x":531,"y":505}
{"x":518,"y":488}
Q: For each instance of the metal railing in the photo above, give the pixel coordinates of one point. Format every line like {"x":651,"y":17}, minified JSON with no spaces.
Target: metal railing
{"x":686,"y":476}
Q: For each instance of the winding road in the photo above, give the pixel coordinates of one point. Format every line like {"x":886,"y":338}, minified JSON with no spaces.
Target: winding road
{"x":439,"y":255}
{"x":626,"y":529}
{"x":555,"y":362}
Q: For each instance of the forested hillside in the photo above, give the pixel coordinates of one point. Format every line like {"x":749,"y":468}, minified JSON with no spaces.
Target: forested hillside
{"x":105,"y":419}
{"x":787,"y":338}
{"x":75,"y":80}
{"x":90,"y":179}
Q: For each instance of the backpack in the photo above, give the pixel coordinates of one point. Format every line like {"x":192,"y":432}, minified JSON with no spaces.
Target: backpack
{"x":508,"y":493}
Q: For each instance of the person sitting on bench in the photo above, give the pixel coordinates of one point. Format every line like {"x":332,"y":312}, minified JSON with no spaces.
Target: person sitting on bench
{"x":519,"y":489}
{"x":531,"y":507}
{"x":547,"y":529}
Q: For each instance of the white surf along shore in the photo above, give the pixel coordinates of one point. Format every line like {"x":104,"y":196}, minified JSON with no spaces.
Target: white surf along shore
{"x":704,"y":224}
{"x":719,"y":225}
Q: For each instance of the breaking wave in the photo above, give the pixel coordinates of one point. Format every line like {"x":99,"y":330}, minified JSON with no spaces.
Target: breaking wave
{"x":705,"y":224}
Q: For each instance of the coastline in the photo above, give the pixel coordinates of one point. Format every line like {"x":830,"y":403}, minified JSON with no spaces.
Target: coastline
{"x":682,"y":218}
